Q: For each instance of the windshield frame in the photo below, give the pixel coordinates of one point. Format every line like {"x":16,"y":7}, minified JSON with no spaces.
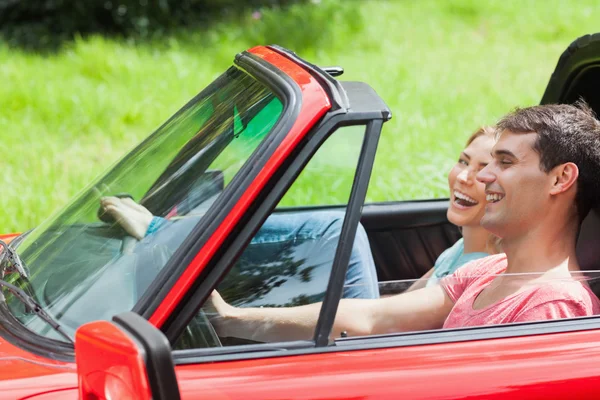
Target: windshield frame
{"x":290,"y":95}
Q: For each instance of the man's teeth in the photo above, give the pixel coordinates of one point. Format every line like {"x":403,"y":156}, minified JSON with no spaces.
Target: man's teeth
{"x":464,"y":197}
{"x":492,"y":198}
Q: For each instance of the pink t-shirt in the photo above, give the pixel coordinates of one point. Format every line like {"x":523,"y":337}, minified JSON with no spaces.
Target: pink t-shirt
{"x":561,"y":298}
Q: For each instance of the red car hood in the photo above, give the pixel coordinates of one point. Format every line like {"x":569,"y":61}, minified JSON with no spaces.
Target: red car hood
{"x":23,"y":374}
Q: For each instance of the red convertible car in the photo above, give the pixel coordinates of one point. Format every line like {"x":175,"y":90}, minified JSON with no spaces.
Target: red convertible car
{"x":90,"y":312}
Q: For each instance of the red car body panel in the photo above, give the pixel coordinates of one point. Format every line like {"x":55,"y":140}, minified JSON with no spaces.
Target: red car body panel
{"x":7,"y":238}
{"x":315,"y":104}
{"x":65,"y":394}
{"x":57,"y":386}
{"x":537,"y":367}
{"x":23,"y":374}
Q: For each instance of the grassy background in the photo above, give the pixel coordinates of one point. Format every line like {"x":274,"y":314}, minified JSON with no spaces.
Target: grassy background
{"x":443,"y":67}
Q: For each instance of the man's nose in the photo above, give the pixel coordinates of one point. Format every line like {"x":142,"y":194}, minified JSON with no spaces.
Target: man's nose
{"x":486,"y":175}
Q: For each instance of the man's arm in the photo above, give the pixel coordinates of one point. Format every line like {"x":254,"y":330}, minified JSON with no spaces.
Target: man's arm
{"x":421,"y":309}
{"x":422,"y":282}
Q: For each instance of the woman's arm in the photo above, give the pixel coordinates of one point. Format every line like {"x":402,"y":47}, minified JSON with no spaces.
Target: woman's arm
{"x":421,"y":309}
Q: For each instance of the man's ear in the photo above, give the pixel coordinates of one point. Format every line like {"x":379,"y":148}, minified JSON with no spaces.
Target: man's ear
{"x":564,"y":177}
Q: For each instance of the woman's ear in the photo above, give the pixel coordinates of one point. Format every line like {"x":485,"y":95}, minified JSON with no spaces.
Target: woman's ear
{"x":564,"y":177}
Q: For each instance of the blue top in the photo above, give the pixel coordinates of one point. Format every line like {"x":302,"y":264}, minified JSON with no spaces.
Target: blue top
{"x":450,"y":260}
{"x":154,"y":225}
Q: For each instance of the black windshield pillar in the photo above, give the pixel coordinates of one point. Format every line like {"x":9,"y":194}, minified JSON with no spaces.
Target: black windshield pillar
{"x":347,"y":236}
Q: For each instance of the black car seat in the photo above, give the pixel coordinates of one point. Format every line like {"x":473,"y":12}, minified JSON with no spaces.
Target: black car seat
{"x":588,"y":249}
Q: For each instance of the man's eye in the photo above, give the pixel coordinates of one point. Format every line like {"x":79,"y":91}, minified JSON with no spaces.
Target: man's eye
{"x":505,"y":162}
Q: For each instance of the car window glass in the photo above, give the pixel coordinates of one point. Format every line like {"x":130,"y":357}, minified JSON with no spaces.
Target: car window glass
{"x":326,"y":179}
{"x":247,"y":138}
{"x":288,"y":261}
{"x":84,"y":265}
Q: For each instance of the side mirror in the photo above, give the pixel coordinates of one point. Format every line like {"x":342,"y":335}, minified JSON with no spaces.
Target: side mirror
{"x":127,"y":358}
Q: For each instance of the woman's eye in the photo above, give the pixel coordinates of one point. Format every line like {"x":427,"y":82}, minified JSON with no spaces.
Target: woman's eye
{"x":463,"y":162}
{"x":505,"y":162}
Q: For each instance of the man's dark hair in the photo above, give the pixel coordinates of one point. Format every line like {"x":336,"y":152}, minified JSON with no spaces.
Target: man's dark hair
{"x":565,"y":133}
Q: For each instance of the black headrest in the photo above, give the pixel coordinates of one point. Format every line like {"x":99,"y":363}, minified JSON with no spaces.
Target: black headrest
{"x":588,"y":243}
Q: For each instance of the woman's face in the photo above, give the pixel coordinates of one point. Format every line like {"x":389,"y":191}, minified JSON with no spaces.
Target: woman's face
{"x":467,"y":195}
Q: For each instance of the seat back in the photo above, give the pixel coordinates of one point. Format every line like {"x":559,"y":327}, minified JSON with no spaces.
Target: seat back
{"x":588,"y":249}
{"x":588,"y":242}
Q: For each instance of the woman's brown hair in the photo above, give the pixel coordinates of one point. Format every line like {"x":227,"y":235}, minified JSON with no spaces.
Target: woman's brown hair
{"x":493,"y":244}
{"x":487,"y":130}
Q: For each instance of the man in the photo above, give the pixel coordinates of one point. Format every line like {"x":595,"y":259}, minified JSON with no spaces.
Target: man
{"x":542,"y":181}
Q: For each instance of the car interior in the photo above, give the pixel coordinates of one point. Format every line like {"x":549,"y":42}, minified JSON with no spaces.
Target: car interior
{"x":407,"y":237}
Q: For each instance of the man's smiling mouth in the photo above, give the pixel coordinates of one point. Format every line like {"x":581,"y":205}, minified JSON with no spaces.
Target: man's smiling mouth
{"x":493,"y":197}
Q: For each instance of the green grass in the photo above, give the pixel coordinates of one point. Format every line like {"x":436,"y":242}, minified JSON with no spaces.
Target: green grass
{"x":443,"y":67}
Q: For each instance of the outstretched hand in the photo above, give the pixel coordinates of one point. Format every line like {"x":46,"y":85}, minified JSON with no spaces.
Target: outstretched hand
{"x":133,"y":217}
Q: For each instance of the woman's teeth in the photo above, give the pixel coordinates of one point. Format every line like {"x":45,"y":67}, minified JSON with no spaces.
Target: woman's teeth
{"x":466,"y":200}
{"x":492,"y":198}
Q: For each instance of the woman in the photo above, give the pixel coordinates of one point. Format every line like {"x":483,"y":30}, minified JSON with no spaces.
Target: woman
{"x":467,"y":206}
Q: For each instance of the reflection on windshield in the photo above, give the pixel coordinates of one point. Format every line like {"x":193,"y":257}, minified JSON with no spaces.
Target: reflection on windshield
{"x":85,"y":266}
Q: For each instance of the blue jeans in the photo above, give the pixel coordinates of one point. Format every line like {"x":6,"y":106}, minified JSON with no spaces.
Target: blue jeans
{"x":309,"y":240}
{"x":288,"y":262}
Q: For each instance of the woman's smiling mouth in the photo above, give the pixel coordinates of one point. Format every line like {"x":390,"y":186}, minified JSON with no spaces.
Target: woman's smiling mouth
{"x":463,"y":200}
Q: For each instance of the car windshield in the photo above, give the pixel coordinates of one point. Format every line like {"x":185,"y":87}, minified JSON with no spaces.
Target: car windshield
{"x":84,"y":266}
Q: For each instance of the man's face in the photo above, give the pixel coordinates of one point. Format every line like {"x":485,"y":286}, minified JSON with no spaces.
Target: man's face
{"x":517,"y":190}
